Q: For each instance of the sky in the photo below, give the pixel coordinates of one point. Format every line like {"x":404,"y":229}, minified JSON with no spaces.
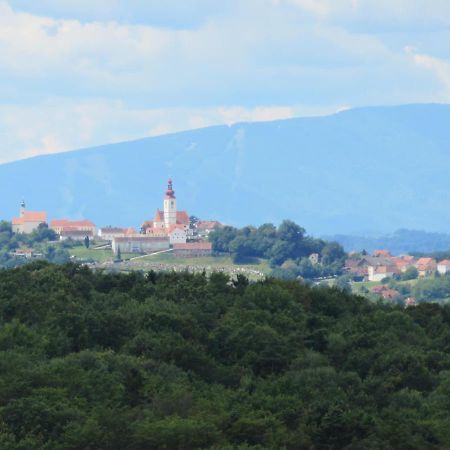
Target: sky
{"x":79,"y":73}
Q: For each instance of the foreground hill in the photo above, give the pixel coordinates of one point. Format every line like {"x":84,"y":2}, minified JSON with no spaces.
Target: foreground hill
{"x":179,"y":361}
{"x":365,"y":169}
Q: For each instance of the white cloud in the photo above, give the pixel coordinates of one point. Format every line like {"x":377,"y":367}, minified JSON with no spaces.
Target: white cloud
{"x":440,"y":68}
{"x":236,"y":61}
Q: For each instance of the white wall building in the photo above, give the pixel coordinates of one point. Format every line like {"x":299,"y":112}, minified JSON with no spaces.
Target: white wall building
{"x":443,"y":267}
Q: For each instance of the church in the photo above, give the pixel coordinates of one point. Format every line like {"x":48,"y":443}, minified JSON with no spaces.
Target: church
{"x":169,"y":222}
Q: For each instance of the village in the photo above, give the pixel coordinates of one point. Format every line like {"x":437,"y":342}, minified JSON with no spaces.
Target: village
{"x":169,"y":230}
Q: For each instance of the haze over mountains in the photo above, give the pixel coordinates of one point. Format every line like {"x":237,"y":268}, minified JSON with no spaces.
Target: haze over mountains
{"x":377,"y":169}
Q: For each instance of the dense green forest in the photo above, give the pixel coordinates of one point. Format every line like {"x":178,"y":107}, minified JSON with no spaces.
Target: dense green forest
{"x":286,"y":246}
{"x":182,"y":361}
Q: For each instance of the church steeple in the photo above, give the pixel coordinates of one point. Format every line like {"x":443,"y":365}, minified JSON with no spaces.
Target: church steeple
{"x":170,"y":206}
{"x":170,"y":192}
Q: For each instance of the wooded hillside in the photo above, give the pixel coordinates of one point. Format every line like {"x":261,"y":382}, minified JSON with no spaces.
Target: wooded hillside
{"x":179,"y":361}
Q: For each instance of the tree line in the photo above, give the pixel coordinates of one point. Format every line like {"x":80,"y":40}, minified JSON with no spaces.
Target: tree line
{"x":286,"y":244}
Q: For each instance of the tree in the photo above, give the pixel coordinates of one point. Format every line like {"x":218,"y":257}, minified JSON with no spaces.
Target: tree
{"x":87,"y":242}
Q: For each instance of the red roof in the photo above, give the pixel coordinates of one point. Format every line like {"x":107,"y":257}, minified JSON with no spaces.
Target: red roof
{"x":193,"y":246}
{"x":71,"y":223}
{"x":425,"y":262}
{"x":30,"y":216}
{"x":445,"y":262}
{"x":182,"y":217}
{"x":384,"y":253}
{"x":208,"y":224}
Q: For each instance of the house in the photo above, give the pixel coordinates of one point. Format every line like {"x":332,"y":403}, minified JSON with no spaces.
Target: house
{"x":204,"y":227}
{"x":390,"y":294}
{"x":379,"y":273}
{"x":28,"y":221}
{"x":192,"y":249}
{"x":177,"y":234}
{"x":140,"y":244}
{"x":26,"y":253}
{"x":360,"y":266}
{"x":60,"y":225}
{"x":426,"y":266}
{"x":443,"y":267}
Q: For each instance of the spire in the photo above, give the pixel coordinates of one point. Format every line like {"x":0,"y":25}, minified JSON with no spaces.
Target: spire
{"x":170,"y":193}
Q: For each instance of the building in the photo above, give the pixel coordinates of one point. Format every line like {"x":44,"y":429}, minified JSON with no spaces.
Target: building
{"x":76,"y":235}
{"x":140,"y":244}
{"x":204,"y":227}
{"x":168,"y":220}
{"x":443,"y":267}
{"x":381,"y":253}
{"x":192,"y":249}
{"x":379,"y":273}
{"x":28,"y":221}
{"x":314,"y":258}
{"x":64,"y":225}
{"x":426,"y":266}
{"x":109,"y":233}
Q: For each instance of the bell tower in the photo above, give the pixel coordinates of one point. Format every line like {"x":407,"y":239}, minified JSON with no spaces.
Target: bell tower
{"x":170,"y":206}
{"x":22,"y":208}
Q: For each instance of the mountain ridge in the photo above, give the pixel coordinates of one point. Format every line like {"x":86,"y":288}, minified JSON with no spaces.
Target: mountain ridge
{"x":381,"y":168}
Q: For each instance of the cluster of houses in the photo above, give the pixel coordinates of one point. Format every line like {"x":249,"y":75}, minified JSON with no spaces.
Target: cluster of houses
{"x":381,"y":264}
{"x":169,"y":229}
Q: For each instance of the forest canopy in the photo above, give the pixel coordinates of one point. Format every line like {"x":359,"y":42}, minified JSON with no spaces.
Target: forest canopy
{"x":185,"y":361}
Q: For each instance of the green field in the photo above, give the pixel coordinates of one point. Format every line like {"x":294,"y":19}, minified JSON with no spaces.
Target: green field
{"x":168,"y":260}
{"x":102,"y":255}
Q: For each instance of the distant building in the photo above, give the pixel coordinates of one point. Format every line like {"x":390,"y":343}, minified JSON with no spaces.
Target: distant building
{"x":169,"y":222}
{"x":140,"y":244}
{"x":314,"y":258}
{"x":64,"y":226}
{"x":192,"y":249}
{"x":75,"y":235}
{"x":204,"y":227}
{"x":379,"y":273}
{"x":109,"y":233}
{"x":28,"y":221}
{"x":426,"y":266}
{"x":382,"y":253}
{"x":443,"y":267}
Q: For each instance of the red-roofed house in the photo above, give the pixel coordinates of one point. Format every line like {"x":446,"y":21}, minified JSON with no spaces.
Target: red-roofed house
{"x":28,"y":221}
{"x":443,"y":267}
{"x":426,"y":266}
{"x":379,"y":273}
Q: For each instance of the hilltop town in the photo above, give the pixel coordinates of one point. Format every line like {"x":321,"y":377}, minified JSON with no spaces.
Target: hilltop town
{"x":169,"y":230}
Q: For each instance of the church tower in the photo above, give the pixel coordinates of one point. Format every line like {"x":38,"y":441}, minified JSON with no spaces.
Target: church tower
{"x":22,"y":208}
{"x":170,"y":206}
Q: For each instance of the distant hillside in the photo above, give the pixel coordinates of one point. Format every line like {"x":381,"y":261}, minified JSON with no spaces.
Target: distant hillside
{"x":402,"y":241}
{"x":365,"y":169}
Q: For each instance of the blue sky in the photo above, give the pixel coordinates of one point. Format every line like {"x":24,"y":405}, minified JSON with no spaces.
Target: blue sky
{"x":77,"y":73}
